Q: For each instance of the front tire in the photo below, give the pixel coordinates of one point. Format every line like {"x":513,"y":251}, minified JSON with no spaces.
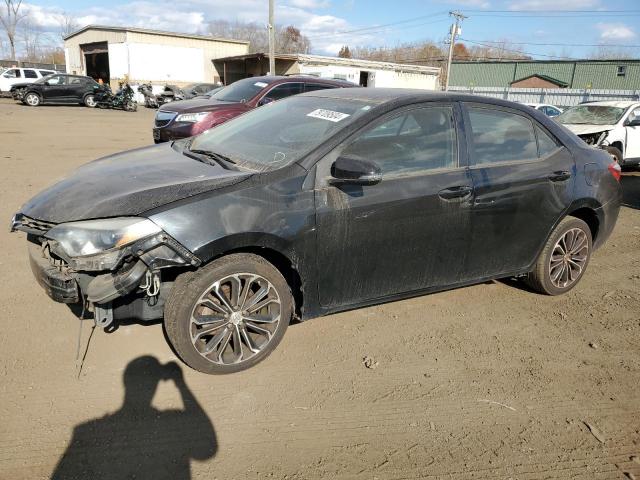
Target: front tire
{"x":563,"y":259}
{"x":89,"y":101}
{"x":32,"y":99}
{"x":229,"y":315}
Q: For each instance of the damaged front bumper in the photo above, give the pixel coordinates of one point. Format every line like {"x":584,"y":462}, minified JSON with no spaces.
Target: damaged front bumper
{"x":129,"y":282}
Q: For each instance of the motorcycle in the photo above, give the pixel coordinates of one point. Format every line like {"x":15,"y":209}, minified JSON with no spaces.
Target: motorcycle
{"x":171,"y":93}
{"x":122,"y":99}
{"x":150,"y":100}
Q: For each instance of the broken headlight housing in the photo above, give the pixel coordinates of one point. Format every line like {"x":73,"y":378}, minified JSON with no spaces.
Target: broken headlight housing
{"x":98,"y":244}
{"x":594,"y":139}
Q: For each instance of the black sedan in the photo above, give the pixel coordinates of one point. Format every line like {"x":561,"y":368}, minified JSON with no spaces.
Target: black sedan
{"x":318,"y":203}
{"x":57,"y":89}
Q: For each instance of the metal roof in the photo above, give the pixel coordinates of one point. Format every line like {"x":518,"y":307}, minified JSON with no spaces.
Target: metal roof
{"x":580,"y":74}
{"x":348,"y":62}
{"x":153,"y":32}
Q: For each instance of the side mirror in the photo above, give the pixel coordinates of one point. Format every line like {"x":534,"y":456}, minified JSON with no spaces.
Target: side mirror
{"x":264,"y":101}
{"x":47,"y":83}
{"x":633,"y":123}
{"x":354,"y":171}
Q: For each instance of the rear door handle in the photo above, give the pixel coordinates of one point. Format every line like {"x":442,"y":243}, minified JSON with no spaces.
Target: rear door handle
{"x":560,"y":176}
{"x":459,"y":192}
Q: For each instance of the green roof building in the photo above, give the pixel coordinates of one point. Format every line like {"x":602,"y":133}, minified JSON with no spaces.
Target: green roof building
{"x":576,"y":74}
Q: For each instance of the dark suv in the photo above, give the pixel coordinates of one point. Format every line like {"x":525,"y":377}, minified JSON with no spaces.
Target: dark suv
{"x":319,"y":203}
{"x":190,"y":117}
{"x":57,"y":88}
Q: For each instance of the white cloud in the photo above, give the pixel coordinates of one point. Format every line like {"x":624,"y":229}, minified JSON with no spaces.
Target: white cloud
{"x":192,"y":16}
{"x":533,"y":5}
{"x":310,"y":3}
{"x":615,"y":31}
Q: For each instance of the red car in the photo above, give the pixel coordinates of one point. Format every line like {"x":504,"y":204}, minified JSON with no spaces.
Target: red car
{"x":190,"y":117}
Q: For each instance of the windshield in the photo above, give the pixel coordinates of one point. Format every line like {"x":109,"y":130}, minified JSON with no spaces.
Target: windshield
{"x":280,"y":133}
{"x":241,"y":91}
{"x":591,"y":115}
{"x":211,"y":93}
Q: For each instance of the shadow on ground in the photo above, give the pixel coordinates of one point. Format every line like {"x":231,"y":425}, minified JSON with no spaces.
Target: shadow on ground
{"x":631,"y":191}
{"x":139,"y":441}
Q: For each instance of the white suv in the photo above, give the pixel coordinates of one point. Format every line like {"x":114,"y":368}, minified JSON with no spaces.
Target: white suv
{"x":20,"y":75}
{"x":613,"y":126}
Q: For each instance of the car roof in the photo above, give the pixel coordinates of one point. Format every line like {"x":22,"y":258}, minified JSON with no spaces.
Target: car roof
{"x":270,"y":79}
{"x":380,"y":96}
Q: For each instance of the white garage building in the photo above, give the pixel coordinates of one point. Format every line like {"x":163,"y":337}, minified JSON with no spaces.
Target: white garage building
{"x":113,"y":53}
{"x":362,"y":72}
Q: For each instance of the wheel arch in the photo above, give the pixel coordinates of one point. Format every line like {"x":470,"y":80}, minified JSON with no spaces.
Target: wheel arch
{"x":273,"y":249}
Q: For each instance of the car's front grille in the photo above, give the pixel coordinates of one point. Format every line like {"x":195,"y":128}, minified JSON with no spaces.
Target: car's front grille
{"x":164,"y":118}
{"x":32,"y":225}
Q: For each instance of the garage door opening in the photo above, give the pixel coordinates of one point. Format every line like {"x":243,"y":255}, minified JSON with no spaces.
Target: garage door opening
{"x":96,"y":61}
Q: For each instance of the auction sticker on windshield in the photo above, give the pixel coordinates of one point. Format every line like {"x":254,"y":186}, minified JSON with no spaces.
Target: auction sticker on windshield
{"x":261,"y":84}
{"x":328,"y":115}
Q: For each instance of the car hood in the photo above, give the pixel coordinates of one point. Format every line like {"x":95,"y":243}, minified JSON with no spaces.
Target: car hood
{"x":128,"y":183}
{"x":580,"y":129}
{"x":198,"y":105}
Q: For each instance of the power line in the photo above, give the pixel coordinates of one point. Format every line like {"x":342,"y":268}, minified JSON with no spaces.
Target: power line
{"x":565,"y":44}
{"x":552,"y":11}
{"x":511,"y":50}
{"x":383,"y":26}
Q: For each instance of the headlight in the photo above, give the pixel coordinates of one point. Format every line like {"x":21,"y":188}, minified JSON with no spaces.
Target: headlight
{"x":89,"y":237}
{"x":191,"y":117}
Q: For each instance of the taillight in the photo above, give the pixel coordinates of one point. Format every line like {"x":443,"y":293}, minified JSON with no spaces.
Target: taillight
{"x":615,"y":170}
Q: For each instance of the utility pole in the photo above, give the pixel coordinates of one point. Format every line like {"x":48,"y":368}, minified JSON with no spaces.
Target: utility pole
{"x":455,"y":31}
{"x":272,"y":39}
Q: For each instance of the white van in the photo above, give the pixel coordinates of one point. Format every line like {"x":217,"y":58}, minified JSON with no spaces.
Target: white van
{"x":20,"y":75}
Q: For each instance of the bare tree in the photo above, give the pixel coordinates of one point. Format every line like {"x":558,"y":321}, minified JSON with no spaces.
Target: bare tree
{"x":288,"y":39}
{"x":10,"y":17}
{"x":68,"y":24}
{"x":31,"y":38}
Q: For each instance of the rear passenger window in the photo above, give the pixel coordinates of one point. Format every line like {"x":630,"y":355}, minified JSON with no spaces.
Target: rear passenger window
{"x":285,"y":90}
{"x":501,"y":137}
{"x":30,"y":74}
{"x":415,"y":141}
{"x":312,"y":87}
{"x":546,"y":144}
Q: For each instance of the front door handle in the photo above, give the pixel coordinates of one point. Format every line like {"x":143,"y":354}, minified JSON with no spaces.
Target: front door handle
{"x":459,"y":192}
{"x":560,"y":176}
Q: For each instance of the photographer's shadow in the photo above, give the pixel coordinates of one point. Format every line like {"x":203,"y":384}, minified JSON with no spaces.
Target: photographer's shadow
{"x":139,"y":441}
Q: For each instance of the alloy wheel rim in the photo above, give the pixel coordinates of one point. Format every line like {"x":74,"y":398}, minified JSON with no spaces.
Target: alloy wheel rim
{"x":91,"y":102}
{"x":32,"y":99}
{"x":235,"y":318}
{"x":569,"y":258}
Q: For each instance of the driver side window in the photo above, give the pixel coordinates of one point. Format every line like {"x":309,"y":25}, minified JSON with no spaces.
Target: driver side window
{"x":413,"y":141}
{"x":57,"y":80}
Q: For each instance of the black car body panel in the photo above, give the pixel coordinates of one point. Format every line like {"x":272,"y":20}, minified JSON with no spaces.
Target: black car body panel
{"x":142,"y":179}
{"x":73,"y":90}
{"x":352,"y":245}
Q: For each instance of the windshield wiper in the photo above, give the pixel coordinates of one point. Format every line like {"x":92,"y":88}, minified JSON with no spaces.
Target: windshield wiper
{"x":216,"y":157}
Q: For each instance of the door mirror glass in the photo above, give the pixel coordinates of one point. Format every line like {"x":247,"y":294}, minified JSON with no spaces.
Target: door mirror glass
{"x":355,"y":171}
{"x":264,"y":101}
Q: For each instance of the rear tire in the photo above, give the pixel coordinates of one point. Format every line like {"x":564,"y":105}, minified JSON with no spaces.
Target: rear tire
{"x":32,"y":99}
{"x":211,"y":323}
{"x":563,"y":259}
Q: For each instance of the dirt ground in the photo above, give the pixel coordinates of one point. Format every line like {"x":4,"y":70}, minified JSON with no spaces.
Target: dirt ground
{"x":489,"y":381}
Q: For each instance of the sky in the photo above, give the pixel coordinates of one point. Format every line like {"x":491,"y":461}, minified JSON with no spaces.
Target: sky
{"x":542,"y":28}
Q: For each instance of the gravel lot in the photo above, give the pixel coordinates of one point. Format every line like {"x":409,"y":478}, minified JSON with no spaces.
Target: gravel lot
{"x":489,"y":381}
